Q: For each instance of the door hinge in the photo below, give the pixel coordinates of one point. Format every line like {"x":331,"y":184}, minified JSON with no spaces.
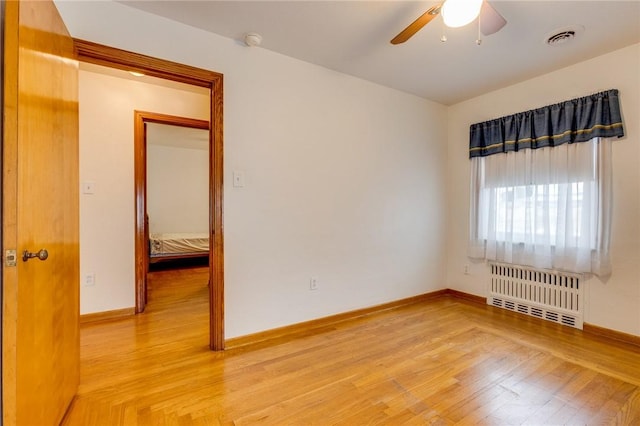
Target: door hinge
{"x":10,"y":258}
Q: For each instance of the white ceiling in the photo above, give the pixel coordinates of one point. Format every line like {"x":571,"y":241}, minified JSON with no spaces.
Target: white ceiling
{"x":177,"y":136}
{"x":157,"y":133}
{"x":353,"y":37}
{"x":125,"y":75}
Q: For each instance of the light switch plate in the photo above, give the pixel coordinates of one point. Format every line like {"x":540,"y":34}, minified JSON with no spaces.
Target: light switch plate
{"x":88,"y":187}
{"x":238,"y":179}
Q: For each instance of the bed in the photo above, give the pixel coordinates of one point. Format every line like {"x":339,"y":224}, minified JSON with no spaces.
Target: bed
{"x":175,"y":246}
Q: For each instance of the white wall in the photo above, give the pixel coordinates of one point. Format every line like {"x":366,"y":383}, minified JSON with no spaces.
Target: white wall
{"x":615,"y":302}
{"x":177,"y":189}
{"x":106,"y":158}
{"x":345,"y":179}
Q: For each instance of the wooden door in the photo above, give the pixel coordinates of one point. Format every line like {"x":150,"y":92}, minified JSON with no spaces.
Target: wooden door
{"x":40,"y":211}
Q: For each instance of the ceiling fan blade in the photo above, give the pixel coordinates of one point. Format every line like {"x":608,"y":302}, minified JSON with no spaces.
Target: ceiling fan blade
{"x":490,"y":19}
{"x":416,"y":25}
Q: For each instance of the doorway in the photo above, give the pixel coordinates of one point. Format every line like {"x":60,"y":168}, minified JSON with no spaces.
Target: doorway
{"x":115,"y":58}
{"x":179,"y":222}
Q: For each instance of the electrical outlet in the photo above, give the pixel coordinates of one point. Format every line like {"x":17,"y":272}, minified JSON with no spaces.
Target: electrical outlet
{"x":90,"y":280}
{"x":313,"y":283}
{"x":466,"y":269}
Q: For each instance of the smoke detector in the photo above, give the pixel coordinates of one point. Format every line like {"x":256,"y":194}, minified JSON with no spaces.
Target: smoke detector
{"x":563,"y":35}
{"x":252,"y":39}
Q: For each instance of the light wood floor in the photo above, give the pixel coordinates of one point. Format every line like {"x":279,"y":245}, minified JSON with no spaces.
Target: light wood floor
{"x":440,"y":362}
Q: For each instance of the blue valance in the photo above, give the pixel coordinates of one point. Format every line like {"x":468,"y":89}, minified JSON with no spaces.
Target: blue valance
{"x":577,"y":120}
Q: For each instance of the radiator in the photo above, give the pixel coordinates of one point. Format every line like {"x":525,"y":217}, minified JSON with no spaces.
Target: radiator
{"x":550,"y":295}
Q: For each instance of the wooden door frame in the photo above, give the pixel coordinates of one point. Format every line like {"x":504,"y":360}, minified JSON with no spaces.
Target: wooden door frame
{"x":129,"y":61}
{"x":140,"y":119}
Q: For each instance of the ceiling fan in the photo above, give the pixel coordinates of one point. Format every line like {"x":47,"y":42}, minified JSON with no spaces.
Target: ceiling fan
{"x":457,"y":13}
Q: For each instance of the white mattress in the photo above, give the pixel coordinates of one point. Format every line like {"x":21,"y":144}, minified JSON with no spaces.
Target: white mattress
{"x":178,"y":243}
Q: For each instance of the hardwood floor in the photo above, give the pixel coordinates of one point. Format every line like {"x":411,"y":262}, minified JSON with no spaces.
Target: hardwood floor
{"x":446,"y":361}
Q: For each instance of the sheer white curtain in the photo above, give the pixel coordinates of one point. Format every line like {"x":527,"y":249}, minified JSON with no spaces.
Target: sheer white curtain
{"x":547,"y":208}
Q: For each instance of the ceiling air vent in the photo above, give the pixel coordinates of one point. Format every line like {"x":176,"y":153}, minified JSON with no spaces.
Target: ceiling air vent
{"x":563,"y":35}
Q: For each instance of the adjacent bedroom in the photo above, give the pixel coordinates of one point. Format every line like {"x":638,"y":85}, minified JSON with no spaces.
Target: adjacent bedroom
{"x":177,"y":196}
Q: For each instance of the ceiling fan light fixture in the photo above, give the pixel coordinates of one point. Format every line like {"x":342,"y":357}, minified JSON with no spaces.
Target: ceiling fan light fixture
{"x":458,"y":13}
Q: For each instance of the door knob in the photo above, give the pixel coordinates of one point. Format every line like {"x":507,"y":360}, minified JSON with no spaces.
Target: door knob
{"x":43,"y":254}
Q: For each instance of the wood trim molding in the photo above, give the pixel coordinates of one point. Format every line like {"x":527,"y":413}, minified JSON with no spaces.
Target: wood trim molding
{"x":591,"y":329}
{"x":610,"y":334}
{"x":140,"y":210}
{"x":112,"y":57}
{"x":107,"y":315}
{"x":116,"y":58}
{"x":216,"y":256}
{"x":467,"y":296}
{"x":140,"y":118}
{"x":298,"y":329}
{"x":306,"y":326}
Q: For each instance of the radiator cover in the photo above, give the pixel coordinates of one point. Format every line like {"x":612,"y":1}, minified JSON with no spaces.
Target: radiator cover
{"x":550,"y":295}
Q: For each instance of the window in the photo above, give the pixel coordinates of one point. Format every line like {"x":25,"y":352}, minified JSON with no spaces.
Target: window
{"x":531,"y":210}
{"x":546,"y":207}
{"x":541,"y":185}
